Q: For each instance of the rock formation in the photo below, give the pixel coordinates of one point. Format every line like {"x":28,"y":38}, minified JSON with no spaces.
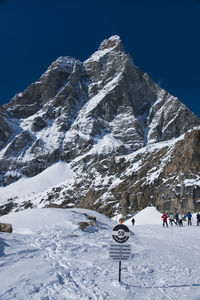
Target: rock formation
{"x":108,"y":120}
{"x":5,"y":227}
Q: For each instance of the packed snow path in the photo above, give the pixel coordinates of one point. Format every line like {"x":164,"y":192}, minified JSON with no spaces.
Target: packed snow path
{"x":59,"y":261}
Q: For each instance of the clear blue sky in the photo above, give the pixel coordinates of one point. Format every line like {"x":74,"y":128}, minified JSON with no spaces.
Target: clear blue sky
{"x":163,"y":38}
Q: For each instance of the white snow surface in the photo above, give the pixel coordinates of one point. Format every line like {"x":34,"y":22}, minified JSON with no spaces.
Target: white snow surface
{"x":148,"y":215}
{"x":48,"y":257}
{"x":45,"y":180}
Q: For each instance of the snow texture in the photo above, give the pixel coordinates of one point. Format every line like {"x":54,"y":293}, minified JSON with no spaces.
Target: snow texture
{"x":38,"y":184}
{"x":49,"y":257}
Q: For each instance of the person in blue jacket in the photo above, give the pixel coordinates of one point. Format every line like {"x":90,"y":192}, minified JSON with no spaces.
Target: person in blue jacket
{"x":189,"y":216}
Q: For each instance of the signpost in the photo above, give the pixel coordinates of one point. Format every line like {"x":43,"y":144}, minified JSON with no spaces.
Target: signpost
{"x":120,"y":233}
{"x":120,"y":251}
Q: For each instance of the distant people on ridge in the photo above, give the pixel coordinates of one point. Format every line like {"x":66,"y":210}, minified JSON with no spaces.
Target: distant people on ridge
{"x":189,"y":216}
{"x":164,"y":217}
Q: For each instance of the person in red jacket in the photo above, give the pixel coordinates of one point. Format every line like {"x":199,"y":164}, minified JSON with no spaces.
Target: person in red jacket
{"x":164,"y":217}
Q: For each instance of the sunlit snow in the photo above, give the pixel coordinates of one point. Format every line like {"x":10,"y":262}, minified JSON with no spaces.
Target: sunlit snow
{"x":48,"y":257}
{"x":50,"y":177}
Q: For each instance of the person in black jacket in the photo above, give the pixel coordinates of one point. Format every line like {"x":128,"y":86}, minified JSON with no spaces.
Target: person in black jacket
{"x":176,"y":218}
{"x":133,"y":221}
{"x":198,"y":219}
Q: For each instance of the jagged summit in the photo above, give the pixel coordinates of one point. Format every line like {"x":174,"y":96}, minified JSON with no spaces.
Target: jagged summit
{"x":94,"y":115}
{"x":114,"y":42}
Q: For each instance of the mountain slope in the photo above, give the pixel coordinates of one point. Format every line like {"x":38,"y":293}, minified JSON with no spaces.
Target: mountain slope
{"x":94,"y":115}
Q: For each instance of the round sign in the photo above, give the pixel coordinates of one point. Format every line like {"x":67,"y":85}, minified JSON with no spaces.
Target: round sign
{"x":120,"y":233}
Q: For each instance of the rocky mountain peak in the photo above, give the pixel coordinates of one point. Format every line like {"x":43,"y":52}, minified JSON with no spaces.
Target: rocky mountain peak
{"x":101,"y":117}
{"x":114,"y":43}
{"x":64,"y":63}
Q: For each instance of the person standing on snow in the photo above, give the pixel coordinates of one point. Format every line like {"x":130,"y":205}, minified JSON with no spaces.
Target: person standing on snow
{"x":164,"y":217}
{"x":189,"y":216}
{"x":180,"y":219}
{"x":198,"y":219}
{"x":133,"y":221}
{"x":171,"y":219}
{"x":176,"y":218}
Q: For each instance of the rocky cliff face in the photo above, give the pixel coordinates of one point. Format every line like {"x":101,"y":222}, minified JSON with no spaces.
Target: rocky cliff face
{"x":108,"y":120}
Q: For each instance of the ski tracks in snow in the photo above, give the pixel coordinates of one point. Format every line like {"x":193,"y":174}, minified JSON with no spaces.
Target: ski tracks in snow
{"x":167,"y":261}
{"x":75,"y":266}
{"x":63,"y":263}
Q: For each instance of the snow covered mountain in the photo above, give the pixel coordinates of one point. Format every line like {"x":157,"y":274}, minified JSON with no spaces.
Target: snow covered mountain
{"x":124,"y":141}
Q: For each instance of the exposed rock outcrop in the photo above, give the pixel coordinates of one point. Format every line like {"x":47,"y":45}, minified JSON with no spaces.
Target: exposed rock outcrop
{"x":5,"y":227}
{"x":121,"y":133}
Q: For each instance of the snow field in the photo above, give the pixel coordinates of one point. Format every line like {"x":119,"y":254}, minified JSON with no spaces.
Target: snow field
{"x":56,"y":260}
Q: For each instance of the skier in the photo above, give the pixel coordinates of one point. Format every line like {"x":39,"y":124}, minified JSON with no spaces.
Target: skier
{"x":189,"y":216}
{"x":171,"y":219}
{"x":198,"y":219}
{"x":180,"y":219}
{"x":164,"y":217}
{"x":133,"y":221}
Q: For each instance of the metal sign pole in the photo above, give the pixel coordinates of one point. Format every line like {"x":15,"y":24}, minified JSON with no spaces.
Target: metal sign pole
{"x":120,"y":271}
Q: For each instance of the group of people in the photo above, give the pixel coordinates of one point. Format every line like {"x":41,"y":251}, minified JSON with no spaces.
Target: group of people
{"x":178,"y":219}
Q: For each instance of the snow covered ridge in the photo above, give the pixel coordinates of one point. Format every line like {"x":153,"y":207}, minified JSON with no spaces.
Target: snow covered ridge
{"x":48,"y":256}
{"x":59,"y":182}
{"x":61,"y":173}
{"x":24,"y":188}
{"x":112,"y":136}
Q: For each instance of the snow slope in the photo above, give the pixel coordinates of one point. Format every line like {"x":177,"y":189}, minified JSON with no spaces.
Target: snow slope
{"x":148,"y":215}
{"x":48,"y":257}
{"x":26,"y":187}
